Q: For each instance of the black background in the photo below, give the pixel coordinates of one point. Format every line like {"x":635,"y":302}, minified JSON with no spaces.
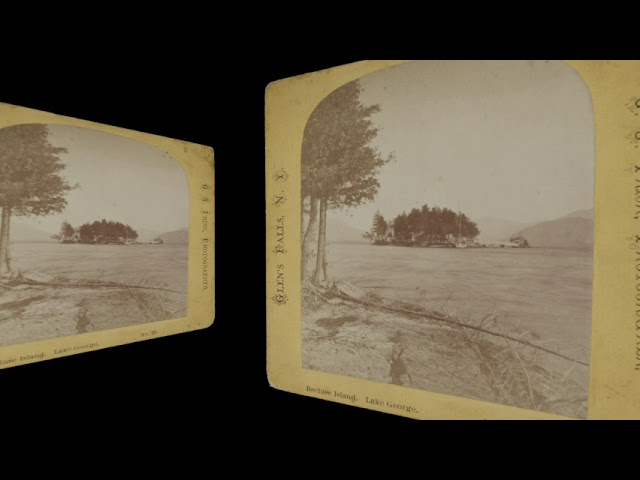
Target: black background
{"x":201,"y":378}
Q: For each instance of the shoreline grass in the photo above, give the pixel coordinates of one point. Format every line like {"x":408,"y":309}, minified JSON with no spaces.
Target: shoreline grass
{"x":515,"y":368}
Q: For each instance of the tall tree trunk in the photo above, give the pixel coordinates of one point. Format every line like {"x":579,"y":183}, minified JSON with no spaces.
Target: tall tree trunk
{"x":8,"y":250}
{"x":324,"y":244}
{"x":309,"y":236}
{"x":5,"y":267}
{"x":321,"y":267}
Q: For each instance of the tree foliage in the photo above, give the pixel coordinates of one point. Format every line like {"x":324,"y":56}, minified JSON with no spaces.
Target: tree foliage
{"x":67,"y":231}
{"x":340,"y":165}
{"x":432,"y":226}
{"x":379,"y":229}
{"x":339,"y":162}
{"x":30,"y":171}
{"x":105,"y":231}
{"x":66,"y":234}
{"x":31,"y":183}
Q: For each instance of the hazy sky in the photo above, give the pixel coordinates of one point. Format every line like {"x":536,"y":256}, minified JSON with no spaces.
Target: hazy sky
{"x":120,"y":179}
{"x":507,"y":139}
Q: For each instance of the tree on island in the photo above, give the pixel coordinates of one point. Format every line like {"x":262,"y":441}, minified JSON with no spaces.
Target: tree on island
{"x":432,"y":226}
{"x":339,"y":167}
{"x":67,"y":233}
{"x":401,"y":233}
{"x":31,"y":183}
{"x":379,"y":228}
{"x":105,"y":231}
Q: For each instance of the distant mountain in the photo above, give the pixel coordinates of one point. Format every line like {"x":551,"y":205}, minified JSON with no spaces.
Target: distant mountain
{"x":573,"y":230}
{"x":338,"y":231}
{"x":176,"y":236}
{"x":588,"y":214}
{"x":26,"y":233}
{"x":145,"y":235}
{"x":496,"y":229}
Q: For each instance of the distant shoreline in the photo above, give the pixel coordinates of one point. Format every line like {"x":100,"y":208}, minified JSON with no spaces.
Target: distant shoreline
{"x":535,"y":247}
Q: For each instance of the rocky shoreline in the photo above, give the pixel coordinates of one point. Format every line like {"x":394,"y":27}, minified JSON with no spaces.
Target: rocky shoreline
{"x":348,"y":331}
{"x":38,"y":306}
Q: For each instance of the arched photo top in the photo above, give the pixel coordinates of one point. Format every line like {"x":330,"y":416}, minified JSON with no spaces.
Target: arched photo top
{"x":115,"y":175}
{"x":468,"y":134}
{"x":459,"y":192}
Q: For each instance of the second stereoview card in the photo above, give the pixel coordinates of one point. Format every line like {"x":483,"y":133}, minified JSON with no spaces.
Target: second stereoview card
{"x":457,"y":239}
{"x":106,"y":236}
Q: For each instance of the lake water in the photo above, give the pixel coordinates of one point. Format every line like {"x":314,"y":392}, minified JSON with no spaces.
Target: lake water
{"x":165,"y":264}
{"x":545,"y":291}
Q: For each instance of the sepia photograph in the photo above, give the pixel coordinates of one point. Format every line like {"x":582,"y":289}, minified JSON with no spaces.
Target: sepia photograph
{"x":94,"y":233}
{"x":447,"y":232}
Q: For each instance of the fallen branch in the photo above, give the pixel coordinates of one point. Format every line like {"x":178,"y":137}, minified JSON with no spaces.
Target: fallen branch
{"x":459,"y":324}
{"x":101,"y":285}
{"x":315,"y":290}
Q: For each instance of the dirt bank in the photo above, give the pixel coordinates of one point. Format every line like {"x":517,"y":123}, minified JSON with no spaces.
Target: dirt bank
{"x":35,"y":306}
{"x":363,"y":338}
